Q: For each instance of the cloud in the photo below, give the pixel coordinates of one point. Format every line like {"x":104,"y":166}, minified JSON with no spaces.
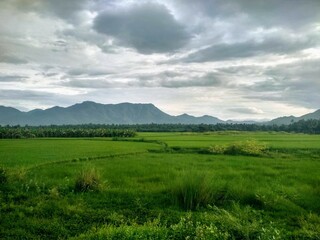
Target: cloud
{"x":165,"y":79}
{"x":295,"y":83}
{"x":95,"y":83}
{"x":62,"y":9}
{"x":26,"y":94}
{"x":207,"y":80}
{"x":12,"y":60}
{"x":216,"y":57}
{"x":251,"y":48}
{"x":12,"y":78}
{"x":246,"y":110}
{"x":289,"y":13}
{"x":286,"y":13}
{"x":149,"y":28}
{"x":87,"y":72}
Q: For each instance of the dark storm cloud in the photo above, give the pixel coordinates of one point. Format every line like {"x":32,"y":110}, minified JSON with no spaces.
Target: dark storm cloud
{"x":224,"y":51}
{"x":149,"y":28}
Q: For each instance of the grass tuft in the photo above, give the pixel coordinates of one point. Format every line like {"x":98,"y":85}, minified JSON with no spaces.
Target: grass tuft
{"x":3,"y":176}
{"x":88,"y":180}
{"x":191,"y":191}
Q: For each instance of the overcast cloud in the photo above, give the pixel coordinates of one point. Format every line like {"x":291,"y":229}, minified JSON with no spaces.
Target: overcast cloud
{"x":238,"y":59}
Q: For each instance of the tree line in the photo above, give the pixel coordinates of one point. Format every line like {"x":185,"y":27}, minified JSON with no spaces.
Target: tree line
{"x":63,"y":132}
{"x":311,"y":126}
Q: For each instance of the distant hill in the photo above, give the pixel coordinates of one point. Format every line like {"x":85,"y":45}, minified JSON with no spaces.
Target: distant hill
{"x":291,"y":119}
{"x":96,"y":113}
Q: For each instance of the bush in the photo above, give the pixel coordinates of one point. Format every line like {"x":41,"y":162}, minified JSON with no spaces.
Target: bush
{"x":248,"y":147}
{"x":217,"y":149}
{"x":88,"y":180}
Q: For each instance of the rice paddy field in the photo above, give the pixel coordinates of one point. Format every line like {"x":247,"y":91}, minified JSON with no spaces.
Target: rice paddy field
{"x":215,"y":185}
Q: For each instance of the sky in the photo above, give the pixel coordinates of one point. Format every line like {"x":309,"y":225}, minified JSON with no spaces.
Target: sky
{"x":236,"y":59}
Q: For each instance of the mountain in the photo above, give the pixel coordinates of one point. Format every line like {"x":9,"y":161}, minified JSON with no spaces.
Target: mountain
{"x":123,"y":113}
{"x":188,"y":119}
{"x":291,"y":119}
{"x":96,"y":113}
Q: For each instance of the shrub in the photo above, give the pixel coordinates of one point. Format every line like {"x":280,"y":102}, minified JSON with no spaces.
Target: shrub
{"x":248,"y":147}
{"x":217,"y":149}
{"x":88,"y":180}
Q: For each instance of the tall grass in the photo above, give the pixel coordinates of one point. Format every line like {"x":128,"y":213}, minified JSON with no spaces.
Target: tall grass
{"x":3,"y":176}
{"x":88,"y":179}
{"x":192,"y":190}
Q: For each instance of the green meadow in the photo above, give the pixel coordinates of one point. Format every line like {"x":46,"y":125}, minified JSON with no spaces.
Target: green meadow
{"x":215,"y":185}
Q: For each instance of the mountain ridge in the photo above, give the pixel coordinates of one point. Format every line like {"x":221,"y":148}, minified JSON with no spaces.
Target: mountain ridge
{"x":96,"y":113}
{"x":122,"y":113}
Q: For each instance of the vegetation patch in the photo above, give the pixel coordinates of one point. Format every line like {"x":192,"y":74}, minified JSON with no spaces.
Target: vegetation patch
{"x":248,"y":148}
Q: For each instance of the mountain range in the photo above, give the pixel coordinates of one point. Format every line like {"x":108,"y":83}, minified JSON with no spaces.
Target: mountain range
{"x":291,"y":119}
{"x":123,"y":113}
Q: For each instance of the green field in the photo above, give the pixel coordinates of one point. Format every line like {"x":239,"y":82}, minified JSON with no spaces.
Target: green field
{"x":162,"y":186}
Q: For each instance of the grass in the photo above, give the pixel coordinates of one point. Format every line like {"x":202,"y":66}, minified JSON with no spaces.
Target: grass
{"x":121,"y":190}
{"x":33,"y":152}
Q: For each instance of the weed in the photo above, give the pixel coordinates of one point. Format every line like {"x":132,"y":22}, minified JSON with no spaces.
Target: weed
{"x":54,"y":192}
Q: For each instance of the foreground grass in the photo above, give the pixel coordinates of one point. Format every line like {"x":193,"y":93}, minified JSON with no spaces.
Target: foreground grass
{"x":159,"y":195}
